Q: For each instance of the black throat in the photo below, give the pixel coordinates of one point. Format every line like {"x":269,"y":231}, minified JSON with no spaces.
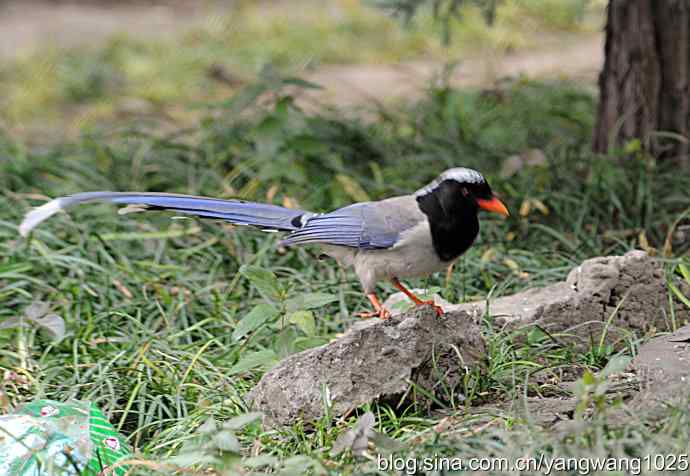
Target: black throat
{"x":452,"y":219}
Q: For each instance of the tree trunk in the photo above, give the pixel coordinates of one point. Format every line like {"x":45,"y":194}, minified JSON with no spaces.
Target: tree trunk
{"x":644,"y":86}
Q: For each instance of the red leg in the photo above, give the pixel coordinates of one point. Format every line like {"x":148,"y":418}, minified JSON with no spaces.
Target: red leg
{"x":415,"y":299}
{"x":379,"y":311}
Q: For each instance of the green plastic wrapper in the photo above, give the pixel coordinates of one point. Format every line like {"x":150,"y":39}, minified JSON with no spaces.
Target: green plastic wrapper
{"x":49,"y":438}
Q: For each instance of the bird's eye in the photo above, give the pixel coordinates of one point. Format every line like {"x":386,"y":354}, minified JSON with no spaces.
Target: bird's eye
{"x":465,"y":192}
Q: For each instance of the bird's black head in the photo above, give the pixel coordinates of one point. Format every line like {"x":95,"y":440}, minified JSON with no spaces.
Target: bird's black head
{"x":451,"y":203}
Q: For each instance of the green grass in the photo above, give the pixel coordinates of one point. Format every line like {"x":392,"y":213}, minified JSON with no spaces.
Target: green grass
{"x":130,"y":76}
{"x":153,"y":306}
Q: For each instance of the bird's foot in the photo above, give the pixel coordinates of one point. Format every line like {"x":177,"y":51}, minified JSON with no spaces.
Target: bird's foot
{"x":430,"y":302}
{"x":381,"y":313}
{"x":415,"y":299}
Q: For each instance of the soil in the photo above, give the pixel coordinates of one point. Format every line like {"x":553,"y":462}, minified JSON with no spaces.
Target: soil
{"x":345,"y":85}
{"x":29,"y":25}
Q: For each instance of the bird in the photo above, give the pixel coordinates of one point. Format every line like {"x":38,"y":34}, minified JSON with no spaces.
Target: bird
{"x":401,"y":237}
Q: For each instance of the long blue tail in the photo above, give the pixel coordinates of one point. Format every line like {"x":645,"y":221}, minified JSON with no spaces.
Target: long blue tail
{"x":264,"y":216}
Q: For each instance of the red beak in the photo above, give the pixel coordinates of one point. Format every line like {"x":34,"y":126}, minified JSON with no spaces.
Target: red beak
{"x":493,"y":205}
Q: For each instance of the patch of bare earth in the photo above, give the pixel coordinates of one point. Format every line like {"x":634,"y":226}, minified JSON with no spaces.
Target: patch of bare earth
{"x":27,"y":26}
{"x":579,"y":59}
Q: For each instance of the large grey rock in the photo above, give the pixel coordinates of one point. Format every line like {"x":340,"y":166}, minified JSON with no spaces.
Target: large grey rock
{"x":373,"y":359}
{"x":616,"y":296}
{"x":621,"y":295}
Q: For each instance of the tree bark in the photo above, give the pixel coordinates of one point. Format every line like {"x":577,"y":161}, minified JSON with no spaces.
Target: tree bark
{"x":644,"y":86}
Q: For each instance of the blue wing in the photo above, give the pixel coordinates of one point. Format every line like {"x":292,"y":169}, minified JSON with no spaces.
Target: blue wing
{"x":370,"y":225}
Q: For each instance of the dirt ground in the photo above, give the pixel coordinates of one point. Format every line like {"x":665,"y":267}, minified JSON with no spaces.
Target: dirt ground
{"x":30,"y":25}
{"x":361,"y":84}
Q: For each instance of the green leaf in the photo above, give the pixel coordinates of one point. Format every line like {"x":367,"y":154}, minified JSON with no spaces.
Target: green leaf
{"x":304,"y":320}
{"x":385,"y":444}
{"x":227,"y":441}
{"x":632,"y":146}
{"x":309,"y":301}
{"x":284,"y":343}
{"x":36,"y":310}
{"x":259,"y":461}
{"x":304,"y":343}
{"x":588,"y":378}
{"x":53,"y":325}
{"x":261,"y":358}
{"x":308,"y":145}
{"x":264,"y":280}
{"x":50,"y":324}
{"x":357,"y":437}
{"x":254,"y":319}
{"x":241,"y":421}
{"x":244,"y":98}
{"x":535,"y":336}
{"x":209,"y":426}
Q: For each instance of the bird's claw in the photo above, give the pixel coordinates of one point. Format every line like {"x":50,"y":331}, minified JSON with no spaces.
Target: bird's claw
{"x":437,"y":308}
{"x":415,"y":299}
{"x":383,"y":314}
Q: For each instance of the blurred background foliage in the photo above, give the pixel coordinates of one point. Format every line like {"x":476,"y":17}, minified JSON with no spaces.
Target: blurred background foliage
{"x":212,"y":58}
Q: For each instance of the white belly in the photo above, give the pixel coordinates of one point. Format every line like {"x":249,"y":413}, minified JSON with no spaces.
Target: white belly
{"x":413,"y":256}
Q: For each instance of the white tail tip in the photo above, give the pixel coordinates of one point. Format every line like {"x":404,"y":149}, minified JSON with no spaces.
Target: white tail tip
{"x":38,"y":214}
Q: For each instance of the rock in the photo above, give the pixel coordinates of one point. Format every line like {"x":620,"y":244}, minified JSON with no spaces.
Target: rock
{"x":540,"y":411}
{"x":623,"y":295}
{"x":374,"y":359}
{"x":619,"y":295}
{"x":663,"y":367}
